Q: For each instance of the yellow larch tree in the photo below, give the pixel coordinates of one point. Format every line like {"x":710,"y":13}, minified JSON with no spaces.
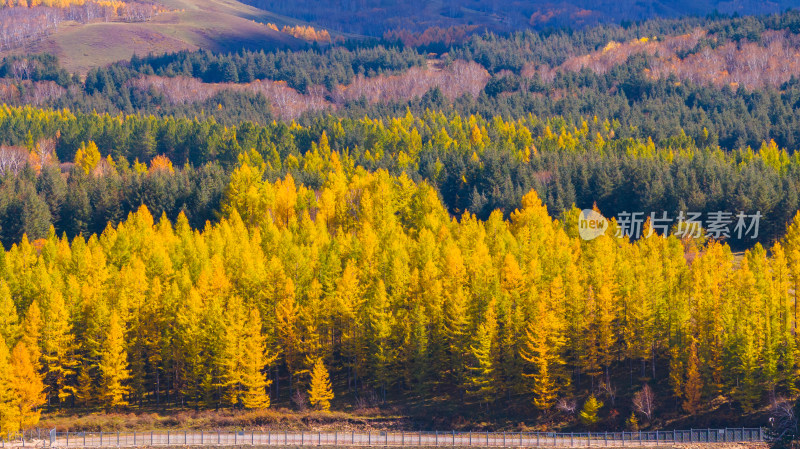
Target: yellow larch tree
{"x":28,"y":386}
{"x":9,"y":320}
{"x":692,"y":387}
{"x":480,"y":376}
{"x":113,"y":365}
{"x":32,"y":334}
{"x":9,"y":409}
{"x":320,"y":391}
{"x":541,"y":348}
{"x":256,"y":360}
{"x":286,"y":326}
{"x":58,"y":349}
{"x":87,"y":157}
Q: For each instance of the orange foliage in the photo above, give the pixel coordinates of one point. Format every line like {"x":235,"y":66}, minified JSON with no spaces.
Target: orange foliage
{"x":308,"y":33}
{"x":161,"y":163}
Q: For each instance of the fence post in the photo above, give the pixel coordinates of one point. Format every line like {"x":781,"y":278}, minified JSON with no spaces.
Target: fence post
{"x":67,"y":439}
{"x":504,"y":439}
{"x":252,"y":438}
{"x":623,"y":438}
{"x":436,"y":438}
{"x":572,"y":439}
{"x":760,"y":434}
{"x":454,"y":438}
{"x":487,"y":438}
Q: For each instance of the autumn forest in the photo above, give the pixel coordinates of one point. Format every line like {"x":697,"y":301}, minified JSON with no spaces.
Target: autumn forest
{"x":397,"y":218}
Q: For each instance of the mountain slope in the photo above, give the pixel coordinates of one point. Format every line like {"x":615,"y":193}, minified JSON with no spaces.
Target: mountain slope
{"x":374,"y":17}
{"x":218,"y":25}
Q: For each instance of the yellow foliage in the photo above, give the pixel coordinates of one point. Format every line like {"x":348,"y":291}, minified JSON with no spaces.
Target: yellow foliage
{"x":87,"y":157}
{"x":28,"y":386}
{"x":320,"y":392}
{"x":161,"y":163}
{"x":610,"y":46}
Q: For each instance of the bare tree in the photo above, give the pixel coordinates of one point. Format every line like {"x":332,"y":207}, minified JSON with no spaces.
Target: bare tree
{"x":644,"y":402}
{"x":567,"y":406}
{"x":784,"y":422}
{"x":12,"y":158}
{"x":769,"y":62}
{"x":300,"y":400}
{"x":609,"y":391}
{"x":21,"y":69}
{"x":138,"y":12}
{"x":45,"y":151}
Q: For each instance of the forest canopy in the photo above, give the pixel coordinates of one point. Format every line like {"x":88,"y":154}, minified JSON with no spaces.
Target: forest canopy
{"x":371,"y":274}
{"x":401,"y":217}
{"x":476,"y":165}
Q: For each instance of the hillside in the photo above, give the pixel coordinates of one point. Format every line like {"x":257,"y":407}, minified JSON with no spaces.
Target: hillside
{"x":374,"y":17}
{"x":217,"y":25}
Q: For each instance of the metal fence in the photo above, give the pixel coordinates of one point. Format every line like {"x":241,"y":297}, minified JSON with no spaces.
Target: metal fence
{"x":53,"y":438}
